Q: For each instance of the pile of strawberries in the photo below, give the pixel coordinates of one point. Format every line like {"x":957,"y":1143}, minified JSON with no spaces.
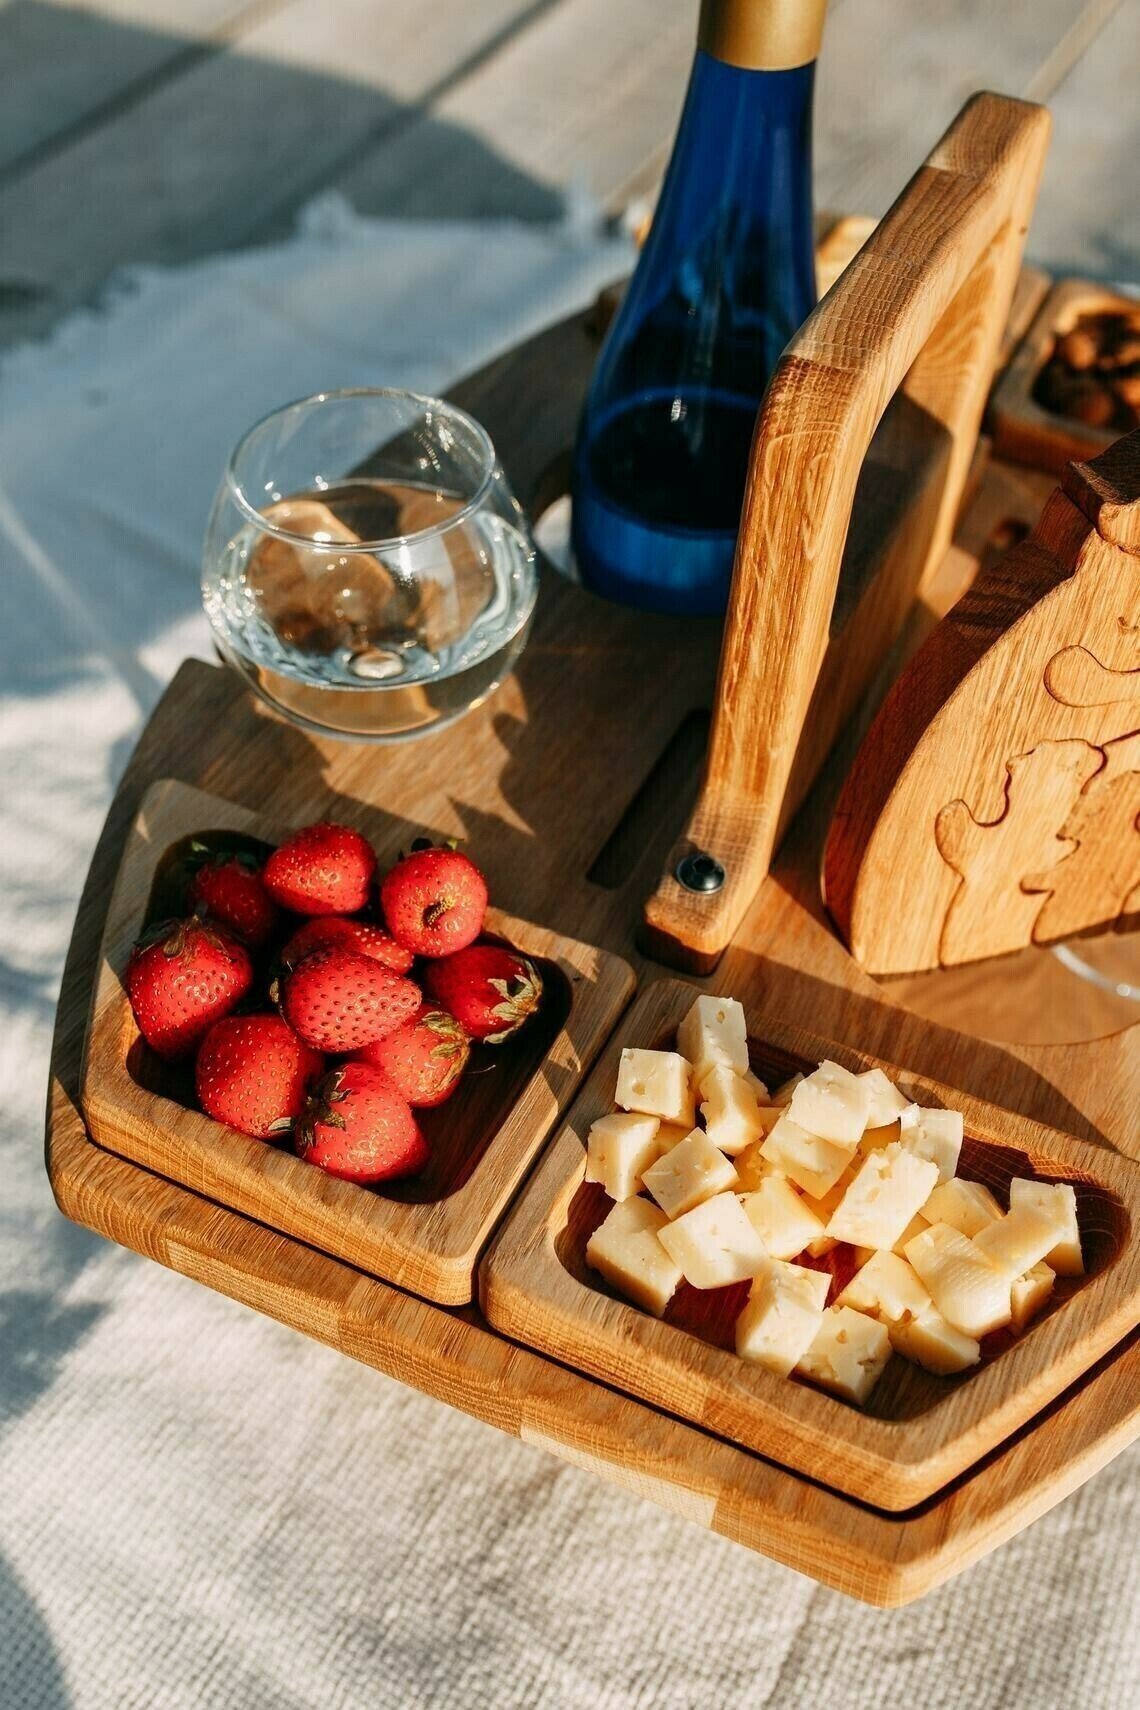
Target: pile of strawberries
{"x":337,"y":1027}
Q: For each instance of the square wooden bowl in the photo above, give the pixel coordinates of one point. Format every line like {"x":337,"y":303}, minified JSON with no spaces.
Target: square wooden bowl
{"x":424,"y":1234}
{"x":1020,"y":427}
{"x":917,"y":1431}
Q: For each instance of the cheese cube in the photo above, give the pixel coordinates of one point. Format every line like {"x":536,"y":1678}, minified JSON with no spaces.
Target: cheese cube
{"x":781,"y":1317}
{"x":670,"y":1134}
{"x":783,"y":1093}
{"x":1017,"y":1241}
{"x":714,"y":1032}
{"x":824,"y":1204}
{"x":886,"y":1287}
{"x":847,"y":1355}
{"x":885,"y":1103}
{"x":888,"y":1189}
{"x":823,"y":1208}
{"x":876,"y":1138}
{"x":768,"y":1115}
{"x":752,"y":1167}
{"x":731,"y":1110}
{"x":626,"y":1251}
{"x":692,"y":1171}
{"x":715,"y":1243}
{"x":913,"y":1228}
{"x":963,"y":1285}
{"x":757,"y":1086}
{"x":658,"y":1083}
{"x":1059,"y":1201}
{"x":934,"y":1344}
{"x":966,"y":1206}
{"x":618,"y":1149}
{"x":933,"y":1134}
{"x":784,"y":1222}
{"x":833,"y":1103}
{"x":1028,"y":1294}
{"x":813,"y":1163}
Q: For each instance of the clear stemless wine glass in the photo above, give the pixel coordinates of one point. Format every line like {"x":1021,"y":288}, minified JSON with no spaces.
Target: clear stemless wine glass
{"x":367,"y":568}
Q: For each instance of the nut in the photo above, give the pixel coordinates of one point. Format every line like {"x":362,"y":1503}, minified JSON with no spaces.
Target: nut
{"x":1078,"y":349}
{"x":1092,"y":404}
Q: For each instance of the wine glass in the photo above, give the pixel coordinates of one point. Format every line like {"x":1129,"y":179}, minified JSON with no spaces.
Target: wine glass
{"x":367,"y":568}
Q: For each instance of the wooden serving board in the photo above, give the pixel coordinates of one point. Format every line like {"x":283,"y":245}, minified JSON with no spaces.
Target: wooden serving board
{"x":207,"y":729}
{"x":425,"y":1234}
{"x":570,"y":786}
{"x":917,"y":1431}
{"x":879,"y":1558}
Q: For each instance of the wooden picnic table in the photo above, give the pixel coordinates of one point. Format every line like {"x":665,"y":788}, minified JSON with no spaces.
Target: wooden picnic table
{"x":163,"y":130}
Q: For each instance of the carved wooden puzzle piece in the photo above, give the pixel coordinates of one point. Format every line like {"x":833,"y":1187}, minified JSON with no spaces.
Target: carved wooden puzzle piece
{"x":1077,"y":679}
{"x":1100,"y":877}
{"x":994,"y":801}
{"x":993,"y":857}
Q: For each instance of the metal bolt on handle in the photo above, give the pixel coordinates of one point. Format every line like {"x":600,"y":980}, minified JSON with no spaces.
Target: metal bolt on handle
{"x":700,"y":872}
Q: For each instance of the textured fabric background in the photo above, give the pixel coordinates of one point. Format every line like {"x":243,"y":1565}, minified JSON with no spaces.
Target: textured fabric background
{"x":198,"y":1507}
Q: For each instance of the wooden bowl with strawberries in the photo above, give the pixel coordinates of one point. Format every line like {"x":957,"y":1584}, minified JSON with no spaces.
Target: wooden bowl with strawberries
{"x":367,"y":1060}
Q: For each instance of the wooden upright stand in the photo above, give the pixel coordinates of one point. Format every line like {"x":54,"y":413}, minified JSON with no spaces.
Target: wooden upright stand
{"x":902,"y":349}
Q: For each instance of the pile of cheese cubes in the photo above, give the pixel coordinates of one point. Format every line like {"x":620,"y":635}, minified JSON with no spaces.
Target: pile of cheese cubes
{"x":831,"y":1157}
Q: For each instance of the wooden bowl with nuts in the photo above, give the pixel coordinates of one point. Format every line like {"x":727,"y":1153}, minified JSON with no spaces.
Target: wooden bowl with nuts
{"x":1073,"y":385}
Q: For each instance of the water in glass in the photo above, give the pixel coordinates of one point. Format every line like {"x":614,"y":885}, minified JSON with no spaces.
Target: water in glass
{"x":388,"y":590}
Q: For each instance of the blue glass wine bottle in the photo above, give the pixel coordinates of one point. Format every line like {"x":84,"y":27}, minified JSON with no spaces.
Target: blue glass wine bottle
{"x":726,"y":277}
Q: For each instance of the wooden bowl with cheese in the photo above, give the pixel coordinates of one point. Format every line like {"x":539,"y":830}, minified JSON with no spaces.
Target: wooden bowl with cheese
{"x":867,"y":1276}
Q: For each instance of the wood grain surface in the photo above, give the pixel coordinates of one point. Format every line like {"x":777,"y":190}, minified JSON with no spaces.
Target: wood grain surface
{"x":879,"y":1558}
{"x":493,"y":111}
{"x":999,"y":786}
{"x":208,"y":729}
{"x":917,"y":1431}
{"x":539,"y":797}
{"x":918,"y":313}
{"x":425,"y":1234}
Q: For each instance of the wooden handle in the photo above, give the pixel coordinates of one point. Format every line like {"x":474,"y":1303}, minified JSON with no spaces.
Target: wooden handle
{"x":917,"y":317}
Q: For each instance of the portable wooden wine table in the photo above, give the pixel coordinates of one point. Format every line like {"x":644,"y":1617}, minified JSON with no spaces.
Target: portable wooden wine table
{"x":571,"y":786}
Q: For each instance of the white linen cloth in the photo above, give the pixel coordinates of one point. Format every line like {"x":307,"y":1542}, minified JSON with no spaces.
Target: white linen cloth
{"x":199,"y":1507}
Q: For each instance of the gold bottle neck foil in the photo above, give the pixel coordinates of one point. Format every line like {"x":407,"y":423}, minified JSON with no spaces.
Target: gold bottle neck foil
{"x":762,"y":35}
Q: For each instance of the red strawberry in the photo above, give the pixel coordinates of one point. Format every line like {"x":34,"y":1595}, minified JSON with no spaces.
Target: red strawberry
{"x":181,"y":978}
{"x":321,"y":869}
{"x":230,"y":889}
{"x":355,"y":934}
{"x":339,"y":1000}
{"x":357,"y":1126}
{"x":434,"y":901}
{"x":489,"y":990}
{"x":424,"y":1058}
{"x":253,"y":1074}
